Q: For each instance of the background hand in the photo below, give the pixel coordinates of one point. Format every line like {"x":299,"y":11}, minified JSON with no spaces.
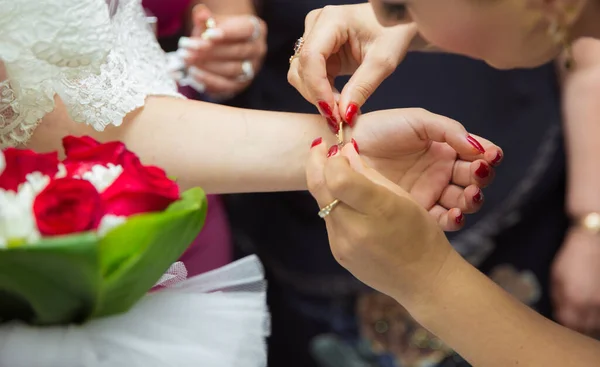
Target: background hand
{"x":223,"y":60}
{"x":431,"y":157}
{"x":575,"y":285}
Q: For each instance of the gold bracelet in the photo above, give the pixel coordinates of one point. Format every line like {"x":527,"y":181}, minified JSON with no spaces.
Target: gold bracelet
{"x":589,"y":222}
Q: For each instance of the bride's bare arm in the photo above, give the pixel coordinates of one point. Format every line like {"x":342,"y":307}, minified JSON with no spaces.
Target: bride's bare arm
{"x":220,"y":148}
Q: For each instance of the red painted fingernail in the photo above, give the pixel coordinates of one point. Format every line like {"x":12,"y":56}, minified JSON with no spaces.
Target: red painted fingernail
{"x":325,"y":109}
{"x":333,"y":125}
{"x":316,"y":142}
{"x":497,"y":159}
{"x":483,"y":171}
{"x":355,"y":145}
{"x":478,"y":198}
{"x":477,"y":145}
{"x":459,"y":219}
{"x":351,"y":113}
{"x":333,"y":150}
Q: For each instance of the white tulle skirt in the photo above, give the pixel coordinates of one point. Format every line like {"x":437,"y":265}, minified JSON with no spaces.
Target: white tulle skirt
{"x":217,"y":319}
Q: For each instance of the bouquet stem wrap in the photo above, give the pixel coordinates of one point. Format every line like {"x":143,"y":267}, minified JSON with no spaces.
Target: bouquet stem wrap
{"x":217,"y":319}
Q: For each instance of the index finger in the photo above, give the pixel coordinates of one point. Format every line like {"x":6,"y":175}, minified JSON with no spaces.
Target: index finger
{"x":323,"y":37}
{"x":241,"y":28}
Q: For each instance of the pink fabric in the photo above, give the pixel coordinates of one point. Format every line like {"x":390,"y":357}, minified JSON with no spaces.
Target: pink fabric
{"x":170,"y":14}
{"x":212,"y":248}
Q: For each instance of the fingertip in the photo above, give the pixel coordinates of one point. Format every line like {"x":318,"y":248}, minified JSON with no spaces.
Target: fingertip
{"x":474,"y":199}
{"x":482,"y":173}
{"x":316,"y":142}
{"x":315,"y":165}
{"x":475,"y":145}
{"x":451,"y":220}
{"x":457,"y":217}
{"x":200,"y":14}
{"x":497,"y":158}
{"x":352,"y":112}
{"x":349,"y":109}
{"x":356,"y":162}
{"x":476,"y":194}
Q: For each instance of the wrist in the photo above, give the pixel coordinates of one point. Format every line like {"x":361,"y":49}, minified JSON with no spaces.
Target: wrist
{"x":431,"y":302}
{"x":423,"y":292}
{"x":587,"y":223}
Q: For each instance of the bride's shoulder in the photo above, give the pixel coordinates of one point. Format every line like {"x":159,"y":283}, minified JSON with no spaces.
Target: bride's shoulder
{"x":99,"y":56}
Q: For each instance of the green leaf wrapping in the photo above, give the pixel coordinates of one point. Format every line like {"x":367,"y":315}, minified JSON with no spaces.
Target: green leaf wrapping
{"x":134,"y":256}
{"x":70,"y":279}
{"x":58,"y":279}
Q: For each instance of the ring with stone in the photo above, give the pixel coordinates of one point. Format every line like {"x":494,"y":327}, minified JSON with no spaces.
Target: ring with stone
{"x":297,"y":48}
{"x":325,"y":211}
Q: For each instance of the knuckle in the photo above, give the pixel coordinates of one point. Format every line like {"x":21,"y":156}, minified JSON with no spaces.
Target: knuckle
{"x":306,"y":54}
{"x":264,"y":29}
{"x":343,"y":252}
{"x":311,"y":17}
{"x":339,"y":183}
{"x":248,"y":50}
{"x":314,"y":185}
{"x":361,"y":236}
{"x":262,"y":49}
{"x":420,"y":112}
{"x":385,"y":63}
{"x":364,"y":89}
{"x":292,"y":77}
{"x":329,"y":9}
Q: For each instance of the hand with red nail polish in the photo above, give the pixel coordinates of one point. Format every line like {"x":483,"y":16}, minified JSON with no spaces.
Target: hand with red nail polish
{"x":370,"y":58}
{"x":378,"y":231}
{"x":430,"y":156}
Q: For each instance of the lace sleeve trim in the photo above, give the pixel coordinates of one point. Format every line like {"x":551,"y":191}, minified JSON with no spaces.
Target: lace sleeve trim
{"x":102,"y":65}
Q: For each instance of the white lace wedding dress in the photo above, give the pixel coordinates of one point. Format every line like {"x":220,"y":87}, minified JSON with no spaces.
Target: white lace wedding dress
{"x":101,"y":58}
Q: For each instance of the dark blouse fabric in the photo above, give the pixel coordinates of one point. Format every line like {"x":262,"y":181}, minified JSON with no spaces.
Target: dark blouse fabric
{"x":513,"y":239}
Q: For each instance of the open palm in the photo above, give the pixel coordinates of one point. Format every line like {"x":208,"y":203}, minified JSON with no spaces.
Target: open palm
{"x":431,"y":157}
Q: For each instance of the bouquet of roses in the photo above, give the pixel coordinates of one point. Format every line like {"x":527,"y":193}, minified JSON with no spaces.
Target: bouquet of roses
{"x":83,"y":240}
{"x":89,"y":236}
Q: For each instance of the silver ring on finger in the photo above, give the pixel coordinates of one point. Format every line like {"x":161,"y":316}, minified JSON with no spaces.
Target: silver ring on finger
{"x":297,"y":48}
{"x":247,"y":72}
{"x":256,"y":30}
{"x":326,"y":210}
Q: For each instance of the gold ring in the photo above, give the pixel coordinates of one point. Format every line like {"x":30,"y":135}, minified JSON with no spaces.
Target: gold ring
{"x":328,"y":208}
{"x":297,"y":48}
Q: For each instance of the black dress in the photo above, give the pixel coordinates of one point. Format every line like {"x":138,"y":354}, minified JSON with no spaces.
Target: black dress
{"x":513,"y":239}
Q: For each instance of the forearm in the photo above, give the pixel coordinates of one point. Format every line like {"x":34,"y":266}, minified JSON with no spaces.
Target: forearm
{"x":490,"y":328}
{"x":582,"y":129}
{"x":220,"y":148}
{"x":581,"y":114}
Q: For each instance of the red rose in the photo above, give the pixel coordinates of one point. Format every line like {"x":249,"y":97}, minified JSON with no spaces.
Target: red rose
{"x":20,"y":163}
{"x":71,"y":143}
{"x":84,"y":152}
{"x":68,"y":205}
{"x":139,"y":189}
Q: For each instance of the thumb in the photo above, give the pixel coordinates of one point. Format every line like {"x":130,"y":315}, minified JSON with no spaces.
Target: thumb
{"x":363,"y":83}
{"x":380,"y":60}
{"x":359,"y":165}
